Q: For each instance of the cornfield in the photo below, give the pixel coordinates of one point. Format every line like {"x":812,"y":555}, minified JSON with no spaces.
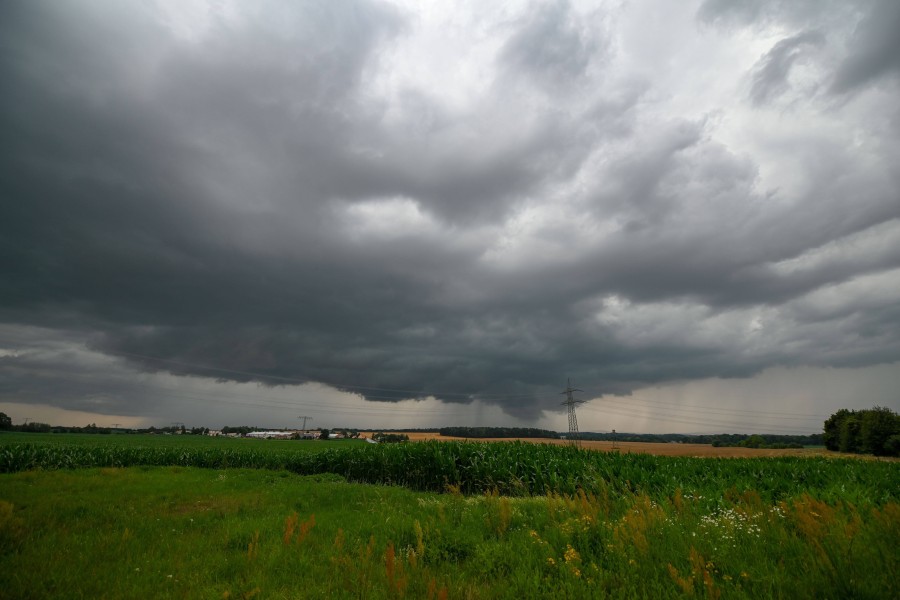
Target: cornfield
{"x":509,"y":468}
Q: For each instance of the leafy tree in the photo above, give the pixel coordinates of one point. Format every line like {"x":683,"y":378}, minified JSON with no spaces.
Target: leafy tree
{"x":754,"y":441}
{"x":848,"y":436}
{"x":832,"y":429}
{"x":323,"y":434}
{"x":35,"y":427}
{"x":892,"y":446}
{"x":390,"y":438}
{"x":242,"y":430}
{"x":5,"y":421}
{"x":866,"y":431}
{"x":876,"y":428}
{"x":497,"y":432}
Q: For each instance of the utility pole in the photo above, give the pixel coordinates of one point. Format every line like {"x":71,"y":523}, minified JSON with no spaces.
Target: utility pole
{"x":304,"y":417}
{"x":571,"y":402}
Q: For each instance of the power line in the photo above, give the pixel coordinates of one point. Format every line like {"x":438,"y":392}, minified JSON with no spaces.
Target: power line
{"x":688,"y":421}
{"x":706,"y":408}
{"x":570,"y":404}
{"x":401,"y":406}
{"x":722,"y":415}
{"x":377,"y":409}
{"x":698,"y":422}
{"x":743,"y":418}
{"x":465,"y":395}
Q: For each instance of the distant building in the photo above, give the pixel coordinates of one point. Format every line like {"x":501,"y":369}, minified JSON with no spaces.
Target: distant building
{"x":271,"y":435}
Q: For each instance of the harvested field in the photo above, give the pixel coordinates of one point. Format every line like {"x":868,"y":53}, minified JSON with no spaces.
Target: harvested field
{"x":701,"y":450}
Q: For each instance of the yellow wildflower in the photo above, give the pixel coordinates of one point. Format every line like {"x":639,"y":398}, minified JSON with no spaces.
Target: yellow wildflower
{"x":571,"y":554}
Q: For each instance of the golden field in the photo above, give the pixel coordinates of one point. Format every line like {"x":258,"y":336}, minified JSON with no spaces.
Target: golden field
{"x":658,"y":449}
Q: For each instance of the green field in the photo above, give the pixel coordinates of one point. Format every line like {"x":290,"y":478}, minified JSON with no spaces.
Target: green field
{"x":125,"y":440}
{"x":279,"y":519}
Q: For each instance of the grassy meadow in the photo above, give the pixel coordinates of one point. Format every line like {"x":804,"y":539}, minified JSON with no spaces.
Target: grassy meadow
{"x":273,"y":519}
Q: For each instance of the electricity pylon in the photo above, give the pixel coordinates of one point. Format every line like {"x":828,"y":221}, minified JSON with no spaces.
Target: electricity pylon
{"x":304,"y":420}
{"x":571,"y":402}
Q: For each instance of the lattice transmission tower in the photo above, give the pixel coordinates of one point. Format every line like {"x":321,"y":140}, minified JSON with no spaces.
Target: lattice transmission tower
{"x":571,"y":402}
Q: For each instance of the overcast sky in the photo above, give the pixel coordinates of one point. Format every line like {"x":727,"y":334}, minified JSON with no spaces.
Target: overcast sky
{"x":401,"y":213}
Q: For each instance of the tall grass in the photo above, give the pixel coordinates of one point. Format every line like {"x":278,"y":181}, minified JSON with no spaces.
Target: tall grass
{"x":514,"y":520}
{"x":194,"y":533}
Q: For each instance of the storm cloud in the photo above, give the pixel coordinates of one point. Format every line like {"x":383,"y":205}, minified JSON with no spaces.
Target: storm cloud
{"x":464,"y":204}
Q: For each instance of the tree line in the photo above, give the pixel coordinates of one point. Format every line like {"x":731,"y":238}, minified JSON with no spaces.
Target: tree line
{"x":869,"y":431}
{"x":497,"y":432}
{"x":390,"y":438}
{"x":873,"y":431}
{"x":765,"y":440}
{"x":6,"y":424}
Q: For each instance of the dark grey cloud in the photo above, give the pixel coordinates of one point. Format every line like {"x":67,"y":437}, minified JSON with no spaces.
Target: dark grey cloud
{"x":772,"y":71}
{"x":874,"y":49}
{"x":733,"y":11}
{"x":793,"y":13}
{"x":863,"y":33}
{"x":555,"y":46}
{"x":280,"y":193}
